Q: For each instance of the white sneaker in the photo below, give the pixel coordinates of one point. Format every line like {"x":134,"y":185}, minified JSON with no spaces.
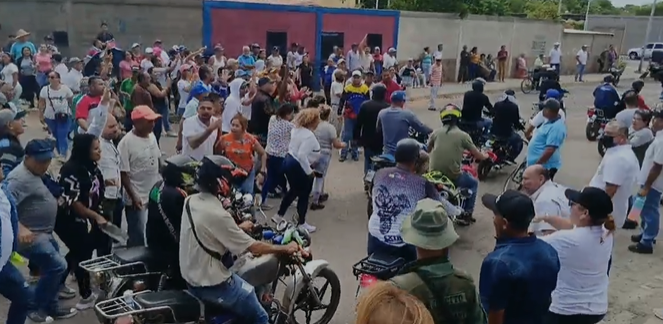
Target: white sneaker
{"x":277,"y":219}
{"x":308,"y":227}
{"x":86,"y":303}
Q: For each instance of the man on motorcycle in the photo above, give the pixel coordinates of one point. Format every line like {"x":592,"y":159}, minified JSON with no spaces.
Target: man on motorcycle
{"x":364,"y":131}
{"x":432,"y":278}
{"x":636,"y":88}
{"x":474,"y":102}
{"x":394,"y":123}
{"x":550,"y":80}
{"x":446,"y":146}
{"x":208,"y":231}
{"x":606,"y":98}
{"x":506,"y":121}
{"x":544,"y":148}
{"x":396,"y":191}
{"x":539,"y":119}
{"x":164,"y":212}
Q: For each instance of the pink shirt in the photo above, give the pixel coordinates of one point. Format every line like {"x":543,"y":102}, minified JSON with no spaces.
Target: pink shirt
{"x":125,"y":69}
{"x":44,"y":63}
{"x":436,"y":75}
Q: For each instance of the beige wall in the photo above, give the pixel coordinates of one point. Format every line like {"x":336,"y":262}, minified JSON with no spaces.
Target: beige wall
{"x":487,"y":33}
{"x":571,"y":44}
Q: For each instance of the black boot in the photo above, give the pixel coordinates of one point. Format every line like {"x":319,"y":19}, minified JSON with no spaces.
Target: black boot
{"x":629,"y":225}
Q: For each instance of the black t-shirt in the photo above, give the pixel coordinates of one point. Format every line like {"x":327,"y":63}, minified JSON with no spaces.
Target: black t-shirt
{"x":464,"y":58}
{"x":159,"y":235}
{"x":79,"y":184}
{"x":473,"y":104}
{"x":506,"y":118}
{"x":306,"y":75}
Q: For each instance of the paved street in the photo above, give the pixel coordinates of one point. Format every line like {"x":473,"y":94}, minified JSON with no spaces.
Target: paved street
{"x":636,"y":285}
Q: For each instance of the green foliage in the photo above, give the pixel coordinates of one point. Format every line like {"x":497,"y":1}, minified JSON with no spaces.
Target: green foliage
{"x":646,"y":10}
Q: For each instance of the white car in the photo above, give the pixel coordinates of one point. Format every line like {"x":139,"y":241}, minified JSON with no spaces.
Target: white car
{"x":636,"y":52}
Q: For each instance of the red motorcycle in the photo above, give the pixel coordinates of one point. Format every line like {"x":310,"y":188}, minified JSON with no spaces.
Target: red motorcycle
{"x":596,"y":122}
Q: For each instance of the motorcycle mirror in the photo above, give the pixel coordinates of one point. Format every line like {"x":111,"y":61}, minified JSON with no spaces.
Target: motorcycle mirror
{"x":238,"y":196}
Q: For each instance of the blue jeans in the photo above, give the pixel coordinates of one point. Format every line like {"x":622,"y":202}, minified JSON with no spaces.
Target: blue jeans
{"x":275,"y":177}
{"x":136,"y":221}
{"x":486,"y":124}
{"x":42,"y":79}
{"x":348,"y":128}
{"x":407,"y":251}
{"x":15,"y":289}
{"x":300,"y":185}
{"x":467,"y":181}
{"x":368,"y":154}
{"x":650,"y":218}
{"x":556,"y":67}
{"x":165,"y":113}
{"x":580,"y":71}
{"x":60,"y":129}
{"x":515,"y":145}
{"x":426,"y":69}
{"x":44,"y":253}
{"x":237,"y":295}
{"x":248,"y":185}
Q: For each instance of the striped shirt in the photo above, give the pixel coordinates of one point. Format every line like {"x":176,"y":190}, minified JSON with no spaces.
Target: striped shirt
{"x":436,"y":75}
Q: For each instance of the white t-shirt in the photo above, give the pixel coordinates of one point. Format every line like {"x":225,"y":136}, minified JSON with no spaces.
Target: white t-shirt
{"x":139,"y":157}
{"x":538,"y":119}
{"x":304,"y":147}
{"x":582,"y":282}
{"x":73,"y":80}
{"x":246,"y":109}
{"x":555,"y":56}
{"x":653,"y":155}
{"x":619,"y":167}
{"x":549,"y":200}
{"x":7,"y":238}
{"x":276,"y":61}
{"x":146,"y":64}
{"x":8,"y":71}
{"x":625,"y":117}
{"x":184,"y":95}
{"x":582,"y":57}
{"x":61,"y":69}
{"x":57,"y":101}
{"x":335,"y":91}
{"x":191,"y":127}
{"x":231,"y":108}
{"x":388,"y":61}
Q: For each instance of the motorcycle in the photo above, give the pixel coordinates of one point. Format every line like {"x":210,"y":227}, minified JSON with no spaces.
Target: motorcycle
{"x":596,"y":121}
{"x":616,"y":73}
{"x":141,"y":268}
{"x":262,"y":272}
{"x":374,"y":268}
{"x":515,"y":179}
{"x":498,"y":153}
{"x":448,"y":190}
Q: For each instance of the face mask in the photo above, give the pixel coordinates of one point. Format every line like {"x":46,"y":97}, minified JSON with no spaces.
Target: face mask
{"x":608,"y":141}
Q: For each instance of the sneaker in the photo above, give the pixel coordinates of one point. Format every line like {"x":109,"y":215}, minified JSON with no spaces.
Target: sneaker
{"x":341,"y":159}
{"x":277,"y":218}
{"x":641,"y":248}
{"x":355,"y":158}
{"x":40,"y":317}
{"x":63,"y":313}
{"x":86,"y":303}
{"x":309,"y":228}
{"x":66,"y":293}
{"x":432,"y":108}
{"x":171,"y":134}
{"x":629,"y":224}
{"x":317,"y":206}
{"x":324,"y":197}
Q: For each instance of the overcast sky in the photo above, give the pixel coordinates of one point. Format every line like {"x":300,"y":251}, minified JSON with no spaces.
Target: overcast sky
{"x":621,"y":3}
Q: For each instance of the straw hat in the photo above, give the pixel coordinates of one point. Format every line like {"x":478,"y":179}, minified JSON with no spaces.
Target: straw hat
{"x":21,"y":33}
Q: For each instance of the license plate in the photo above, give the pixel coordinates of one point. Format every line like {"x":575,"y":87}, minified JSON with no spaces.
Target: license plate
{"x":368,"y":178}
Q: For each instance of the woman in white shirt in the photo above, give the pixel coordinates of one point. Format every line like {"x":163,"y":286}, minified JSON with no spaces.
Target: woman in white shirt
{"x":303,"y":153}
{"x":54,"y":102}
{"x":584,"y":245}
{"x":9,"y":74}
{"x":278,"y":141}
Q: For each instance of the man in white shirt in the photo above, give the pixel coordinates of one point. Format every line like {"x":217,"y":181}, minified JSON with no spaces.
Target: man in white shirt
{"x":548,"y":197}
{"x":581,"y":62}
{"x":275,"y":58}
{"x":60,"y":67}
{"x":146,"y":63}
{"x":651,"y":181}
{"x":199,"y":133}
{"x":617,"y":173}
{"x":625,"y":117}
{"x":555,"y":57}
{"x":73,"y":77}
{"x":389,"y":59}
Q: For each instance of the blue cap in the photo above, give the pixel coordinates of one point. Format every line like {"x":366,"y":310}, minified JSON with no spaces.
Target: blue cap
{"x":40,"y":149}
{"x":198,"y":90}
{"x":241,"y":73}
{"x":398,"y":96}
{"x":552,"y":93}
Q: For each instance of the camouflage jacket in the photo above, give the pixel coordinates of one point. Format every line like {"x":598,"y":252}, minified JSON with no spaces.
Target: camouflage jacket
{"x":449,"y":294}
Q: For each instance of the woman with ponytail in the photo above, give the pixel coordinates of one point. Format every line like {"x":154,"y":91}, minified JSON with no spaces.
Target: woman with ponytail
{"x":384,"y":303}
{"x":584,"y":245}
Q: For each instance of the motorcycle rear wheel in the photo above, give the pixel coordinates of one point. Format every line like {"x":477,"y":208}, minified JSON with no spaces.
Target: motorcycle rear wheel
{"x":515,"y":178}
{"x":592,"y":131}
{"x":601,"y":148}
{"x":526,"y":85}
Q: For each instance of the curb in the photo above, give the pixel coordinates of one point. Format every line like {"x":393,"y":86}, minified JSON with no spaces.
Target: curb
{"x":454,"y":95}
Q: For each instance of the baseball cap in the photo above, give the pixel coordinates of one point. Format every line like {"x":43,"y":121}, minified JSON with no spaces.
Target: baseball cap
{"x":512,"y":205}
{"x":264,"y":80}
{"x":398,"y":96}
{"x":134,"y":45}
{"x":8,"y":115}
{"x":74,"y":60}
{"x":157,"y":41}
{"x":241,"y":73}
{"x":198,"y":89}
{"x":144,"y":112}
{"x":595,"y":200}
{"x":356,"y":73}
{"x":391,"y":50}
{"x":149,"y":50}
{"x":40,"y":149}
{"x":428,"y":227}
{"x":340,"y":61}
{"x":185,"y":67}
{"x":552,"y":93}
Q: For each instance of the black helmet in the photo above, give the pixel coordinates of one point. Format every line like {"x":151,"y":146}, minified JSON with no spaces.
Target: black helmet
{"x":216,"y":174}
{"x":608,"y":78}
{"x":637,"y":85}
{"x":407,"y":151}
{"x":477,"y":85}
{"x":179,"y":170}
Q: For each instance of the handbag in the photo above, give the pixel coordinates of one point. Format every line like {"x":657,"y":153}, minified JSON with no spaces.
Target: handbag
{"x":59,"y":116}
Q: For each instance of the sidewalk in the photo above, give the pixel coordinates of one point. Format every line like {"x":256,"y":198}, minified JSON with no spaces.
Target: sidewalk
{"x":451,"y":90}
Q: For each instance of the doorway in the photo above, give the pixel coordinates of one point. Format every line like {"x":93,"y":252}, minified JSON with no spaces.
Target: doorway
{"x":277,"y":39}
{"x":328,"y":40}
{"x":373,"y":41}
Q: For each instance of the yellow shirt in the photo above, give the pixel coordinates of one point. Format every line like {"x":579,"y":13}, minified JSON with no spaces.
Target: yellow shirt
{"x":475,"y":58}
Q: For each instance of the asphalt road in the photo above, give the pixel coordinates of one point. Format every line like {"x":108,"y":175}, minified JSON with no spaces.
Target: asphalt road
{"x":636,"y":285}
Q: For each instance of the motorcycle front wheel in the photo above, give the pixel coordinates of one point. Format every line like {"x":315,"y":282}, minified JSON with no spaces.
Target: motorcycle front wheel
{"x":483,"y":169}
{"x":526,"y":85}
{"x":592,"y":131}
{"x":515,"y":178}
{"x":601,"y":148}
{"x":306,"y":303}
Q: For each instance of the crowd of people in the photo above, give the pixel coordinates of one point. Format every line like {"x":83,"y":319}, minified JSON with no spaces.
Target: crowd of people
{"x":252,"y":124}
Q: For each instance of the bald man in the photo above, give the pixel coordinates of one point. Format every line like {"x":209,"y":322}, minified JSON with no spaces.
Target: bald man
{"x":109,"y":164}
{"x":548,"y":197}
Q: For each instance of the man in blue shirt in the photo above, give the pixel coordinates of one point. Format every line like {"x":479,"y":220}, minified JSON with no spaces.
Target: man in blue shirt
{"x":517,"y":278}
{"x":607,"y":98}
{"x":394,"y":123}
{"x":246,"y":60}
{"x":544,"y":148}
{"x":327,"y":77}
{"x":21,"y":42}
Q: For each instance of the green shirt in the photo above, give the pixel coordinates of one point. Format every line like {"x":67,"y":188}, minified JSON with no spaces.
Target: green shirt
{"x":447,"y":154}
{"x":449,"y":294}
{"x":127,"y":86}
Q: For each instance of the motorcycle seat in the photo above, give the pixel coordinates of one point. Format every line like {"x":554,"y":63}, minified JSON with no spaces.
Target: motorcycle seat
{"x":385,"y":260}
{"x":185,"y":308}
{"x":140,"y":254}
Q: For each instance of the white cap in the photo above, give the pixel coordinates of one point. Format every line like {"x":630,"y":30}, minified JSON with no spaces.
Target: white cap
{"x":356,"y":73}
{"x":134,"y":45}
{"x":149,"y":50}
{"x":340,"y":61}
{"x":391,"y":49}
{"x":410,"y":59}
{"x":556,"y":44}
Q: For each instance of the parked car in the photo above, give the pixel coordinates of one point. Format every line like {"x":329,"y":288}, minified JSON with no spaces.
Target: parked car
{"x":637,"y":52}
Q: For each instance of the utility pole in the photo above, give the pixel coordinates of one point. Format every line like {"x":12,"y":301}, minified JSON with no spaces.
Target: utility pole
{"x":377,"y":4}
{"x":644,"y":43}
{"x":589,"y":3}
{"x":559,"y":8}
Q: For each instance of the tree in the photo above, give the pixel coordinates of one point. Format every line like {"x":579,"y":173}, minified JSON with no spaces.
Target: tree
{"x":542,"y":10}
{"x":646,"y":10}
